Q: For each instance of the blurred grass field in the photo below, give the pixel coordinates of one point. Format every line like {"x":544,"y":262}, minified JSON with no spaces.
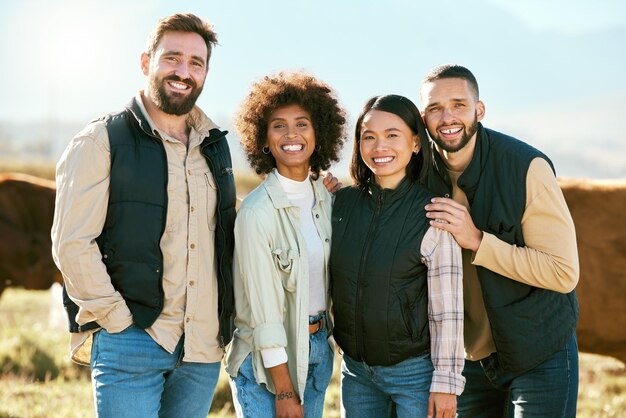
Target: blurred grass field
{"x":38,"y":380}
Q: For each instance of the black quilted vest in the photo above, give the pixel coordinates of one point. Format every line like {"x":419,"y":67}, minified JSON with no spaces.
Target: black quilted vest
{"x":136,"y":214}
{"x":528,"y":324}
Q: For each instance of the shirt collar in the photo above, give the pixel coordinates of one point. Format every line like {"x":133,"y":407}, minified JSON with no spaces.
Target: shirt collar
{"x":279,"y":197}
{"x":197,"y":120}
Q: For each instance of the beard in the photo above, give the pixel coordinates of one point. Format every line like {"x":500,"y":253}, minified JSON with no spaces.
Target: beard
{"x":173,"y":103}
{"x":468,"y":133}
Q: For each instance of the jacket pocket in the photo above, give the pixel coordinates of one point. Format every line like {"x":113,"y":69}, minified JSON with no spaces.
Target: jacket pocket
{"x":285,"y":260}
{"x":406,"y":311}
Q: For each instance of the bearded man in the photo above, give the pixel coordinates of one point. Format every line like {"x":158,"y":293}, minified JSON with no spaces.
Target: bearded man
{"x":504,"y":207}
{"x":143,"y":235}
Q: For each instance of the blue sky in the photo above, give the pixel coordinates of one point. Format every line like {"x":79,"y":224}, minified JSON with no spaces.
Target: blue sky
{"x":550,"y":72}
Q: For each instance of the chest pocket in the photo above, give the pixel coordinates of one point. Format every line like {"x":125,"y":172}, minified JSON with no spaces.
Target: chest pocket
{"x":173,"y":211}
{"x":208,"y":197}
{"x":286,"y":261}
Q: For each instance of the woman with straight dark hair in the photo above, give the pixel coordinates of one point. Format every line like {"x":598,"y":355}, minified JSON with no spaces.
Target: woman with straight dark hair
{"x":396,"y":282}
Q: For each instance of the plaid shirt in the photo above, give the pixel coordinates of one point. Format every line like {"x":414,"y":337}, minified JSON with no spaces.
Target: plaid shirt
{"x":443,"y":257}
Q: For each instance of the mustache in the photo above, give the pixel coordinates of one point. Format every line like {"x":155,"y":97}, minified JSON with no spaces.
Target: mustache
{"x":450,"y":125}
{"x":187,"y":81}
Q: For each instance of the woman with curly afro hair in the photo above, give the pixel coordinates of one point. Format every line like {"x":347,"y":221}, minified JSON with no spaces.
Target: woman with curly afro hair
{"x":280,"y":361}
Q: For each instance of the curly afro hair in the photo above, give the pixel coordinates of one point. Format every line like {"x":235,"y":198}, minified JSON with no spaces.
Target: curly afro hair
{"x":284,"y":89}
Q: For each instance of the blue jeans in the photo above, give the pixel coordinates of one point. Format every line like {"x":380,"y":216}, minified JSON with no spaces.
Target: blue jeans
{"x":134,"y":377}
{"x":400,"y":390}
{"x":253,"y":400}
{"x":548,"y":390}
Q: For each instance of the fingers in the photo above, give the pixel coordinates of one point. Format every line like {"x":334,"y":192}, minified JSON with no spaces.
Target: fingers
{"x":447,"y":201}
{"x":447,"y":206}
{"x":444,"y":405}
{"x":332,"y":183}
{"x":326,"y":176}
{"x":431,"y":407}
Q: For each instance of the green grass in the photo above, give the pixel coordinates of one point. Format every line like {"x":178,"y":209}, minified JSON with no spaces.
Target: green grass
{"x":38,"y":380}
{"x":20,"y":397}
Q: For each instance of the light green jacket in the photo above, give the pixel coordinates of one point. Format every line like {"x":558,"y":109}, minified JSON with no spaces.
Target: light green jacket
{"x":271,"y":279}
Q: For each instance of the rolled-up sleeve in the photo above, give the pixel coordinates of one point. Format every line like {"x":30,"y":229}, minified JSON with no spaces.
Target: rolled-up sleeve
{"x":259,"y":282}
{"x":442,"y":256}
{"x":82,"y":179}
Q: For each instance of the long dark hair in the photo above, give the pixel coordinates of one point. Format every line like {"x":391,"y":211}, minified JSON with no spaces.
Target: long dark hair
{"x":405,"y":109}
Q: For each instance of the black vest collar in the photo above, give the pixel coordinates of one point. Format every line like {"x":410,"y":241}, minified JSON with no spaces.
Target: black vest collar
{"x":468,"y":181}
{"x":389,"y":195}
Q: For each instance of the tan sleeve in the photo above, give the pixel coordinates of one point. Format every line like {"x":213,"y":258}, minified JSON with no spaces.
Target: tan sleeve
{"x":550,"y":258}
{"x":80,"y":210}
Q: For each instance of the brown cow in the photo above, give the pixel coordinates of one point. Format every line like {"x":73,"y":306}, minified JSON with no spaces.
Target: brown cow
{"x":597,"y":206}
{"x":599,"y":211}
{"x":26,"y":211}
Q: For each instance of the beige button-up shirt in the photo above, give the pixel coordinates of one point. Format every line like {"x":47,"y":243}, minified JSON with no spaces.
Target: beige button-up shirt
{"x":187,"y":244}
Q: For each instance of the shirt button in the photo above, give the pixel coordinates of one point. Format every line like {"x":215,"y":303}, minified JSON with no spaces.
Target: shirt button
{"x":192,"y":283}
{"x":193,"y":208}
{"x":189,"y":171}
{"x":192,"y":246}
{"x":327,"y":240}
{"x":423,"y":260}
{"x":317,"y":215}
{"x":188,"y":319}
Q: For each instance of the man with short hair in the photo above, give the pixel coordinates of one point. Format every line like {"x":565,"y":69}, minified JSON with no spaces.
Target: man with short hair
{"x":520,"y":262}
{"x":143,"y":235}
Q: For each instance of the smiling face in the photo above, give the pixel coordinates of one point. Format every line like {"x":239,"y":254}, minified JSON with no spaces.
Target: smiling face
{"x":176,"y":71}
{"x":386,"y":145}
{"x":291,"y":140}
{"x":451,"y":113}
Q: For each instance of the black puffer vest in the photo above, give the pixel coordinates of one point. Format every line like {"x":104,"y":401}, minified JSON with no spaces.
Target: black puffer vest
{"x":528,"y":324}
{"x":136,"y":214}
{"x":378,"y":282}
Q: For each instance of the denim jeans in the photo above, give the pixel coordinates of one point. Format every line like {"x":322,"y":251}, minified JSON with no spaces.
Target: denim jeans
{"x":253,"y":400}
{"x":400,"y":390}
{"x":548,"y":390}
{"x":134,"y":377}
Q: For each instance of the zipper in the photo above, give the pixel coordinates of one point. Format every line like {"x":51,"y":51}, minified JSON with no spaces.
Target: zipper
{"x":221,"y":256}
{"x":360,"y":347}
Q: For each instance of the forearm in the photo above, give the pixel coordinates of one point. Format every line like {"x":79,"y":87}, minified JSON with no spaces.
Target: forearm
{"x":445,"y":313}
{"x":91,"y":290}
{"x":80,"y":212}
{"x":557,"y":272}
{"x":282,"y":382}
{"x":287,"y":401}
{"x":258,"y":287}
{"x":549,"y":259}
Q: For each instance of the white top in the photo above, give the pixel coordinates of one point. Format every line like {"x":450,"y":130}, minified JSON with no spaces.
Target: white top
{"x":271,"y":280}
{"x":300,"y":193}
